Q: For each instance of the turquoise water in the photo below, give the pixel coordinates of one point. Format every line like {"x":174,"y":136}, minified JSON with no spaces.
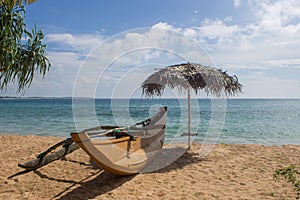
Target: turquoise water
{"x":262,"y":121}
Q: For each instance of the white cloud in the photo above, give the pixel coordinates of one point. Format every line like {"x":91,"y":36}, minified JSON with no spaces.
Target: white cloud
{"x":164,"y":25}
{"x":217,"y":29}
{"x":271,"y":41}
{"x":278,"y":12}
{"x":123,"y":52}
{"x":236,"y":3}
{"x":275,"y":35}
{"x":85,"y":42}
{"x":269,"y":87}
{"x":290,"y":63}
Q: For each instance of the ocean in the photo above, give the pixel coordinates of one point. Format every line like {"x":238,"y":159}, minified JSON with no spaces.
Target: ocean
{"x":243,"y":121}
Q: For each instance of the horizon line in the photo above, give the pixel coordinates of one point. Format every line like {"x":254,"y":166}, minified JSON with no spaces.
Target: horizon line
{"x":69,"y":97}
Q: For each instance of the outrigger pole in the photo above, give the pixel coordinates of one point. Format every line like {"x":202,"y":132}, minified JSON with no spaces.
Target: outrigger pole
{"x":68,"y":146}
{"x":46,"y":157}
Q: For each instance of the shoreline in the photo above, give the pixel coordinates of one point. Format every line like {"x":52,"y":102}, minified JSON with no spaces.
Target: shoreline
{"x":181,"y":143}
{"x":229,"y":171}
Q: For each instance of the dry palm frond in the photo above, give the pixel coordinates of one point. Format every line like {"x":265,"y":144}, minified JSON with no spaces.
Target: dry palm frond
{"x":190,"y":75}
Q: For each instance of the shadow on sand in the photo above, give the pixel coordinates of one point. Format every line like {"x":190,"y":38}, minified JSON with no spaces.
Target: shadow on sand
{"x":173,"y":158}
{"x":186,"y":159}
{"x":104,"y":182}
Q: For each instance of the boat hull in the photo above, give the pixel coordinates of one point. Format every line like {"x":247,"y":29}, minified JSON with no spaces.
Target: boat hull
{"x":129,"y":154}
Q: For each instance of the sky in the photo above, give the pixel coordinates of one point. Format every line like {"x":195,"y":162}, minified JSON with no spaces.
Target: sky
{"x":105,"y":49}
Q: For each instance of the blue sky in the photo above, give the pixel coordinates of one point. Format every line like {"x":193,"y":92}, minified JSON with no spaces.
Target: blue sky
{"x":112,"y":17}
{"x":107,"y":48}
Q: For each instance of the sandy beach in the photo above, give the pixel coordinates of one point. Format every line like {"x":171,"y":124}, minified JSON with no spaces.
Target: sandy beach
{"x":230,"y":171}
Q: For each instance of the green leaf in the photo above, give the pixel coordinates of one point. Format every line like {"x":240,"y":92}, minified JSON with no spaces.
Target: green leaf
{"x":19,"y":60}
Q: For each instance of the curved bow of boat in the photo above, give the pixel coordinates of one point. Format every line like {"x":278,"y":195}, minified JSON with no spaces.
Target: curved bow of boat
{"x":124,"y":150}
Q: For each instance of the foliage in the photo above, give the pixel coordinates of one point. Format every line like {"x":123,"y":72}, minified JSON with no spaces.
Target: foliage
{"x":290,"y":173}
{"x":22,"y":52}
{"x":19,"y":2}
{"x":30,"y":1}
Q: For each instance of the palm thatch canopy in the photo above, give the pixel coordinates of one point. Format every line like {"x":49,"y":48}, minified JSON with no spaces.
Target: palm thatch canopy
{"x":190,"y":75}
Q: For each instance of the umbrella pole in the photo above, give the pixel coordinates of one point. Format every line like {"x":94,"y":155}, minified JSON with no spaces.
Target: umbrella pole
{"x":189,"y":118}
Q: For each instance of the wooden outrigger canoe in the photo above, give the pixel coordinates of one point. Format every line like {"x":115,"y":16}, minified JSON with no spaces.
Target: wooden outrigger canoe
{"x":118,"y":150}
{"x":130,"y":149}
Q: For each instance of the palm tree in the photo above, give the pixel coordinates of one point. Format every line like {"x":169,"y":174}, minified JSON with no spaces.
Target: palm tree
{"x":30,"y":1}
{"x":20,"y":2}
{"x":22,"y":52}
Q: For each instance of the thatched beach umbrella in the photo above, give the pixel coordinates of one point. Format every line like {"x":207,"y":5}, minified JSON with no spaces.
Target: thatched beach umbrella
{"x":187,"y":76}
